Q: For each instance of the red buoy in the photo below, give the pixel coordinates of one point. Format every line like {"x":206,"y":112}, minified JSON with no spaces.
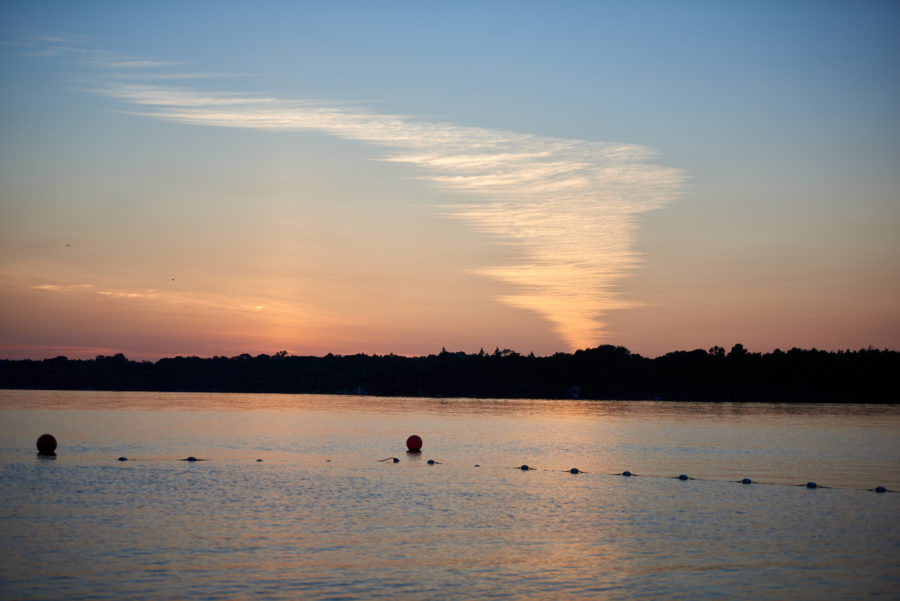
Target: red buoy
{"x":414,"y":443}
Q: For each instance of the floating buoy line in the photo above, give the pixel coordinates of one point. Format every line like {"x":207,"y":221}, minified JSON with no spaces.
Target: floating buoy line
{"x":683,"y":477}
{"x":624,"y":474}
{"x":47,"y":446}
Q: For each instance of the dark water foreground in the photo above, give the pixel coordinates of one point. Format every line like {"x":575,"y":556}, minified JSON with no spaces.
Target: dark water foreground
{"x":322,"y":518}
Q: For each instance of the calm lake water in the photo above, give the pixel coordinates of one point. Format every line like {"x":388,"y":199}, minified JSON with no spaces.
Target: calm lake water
{"x":322,"y":518}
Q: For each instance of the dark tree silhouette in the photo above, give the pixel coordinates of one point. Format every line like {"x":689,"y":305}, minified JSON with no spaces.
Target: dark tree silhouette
{"x":605,"y":372}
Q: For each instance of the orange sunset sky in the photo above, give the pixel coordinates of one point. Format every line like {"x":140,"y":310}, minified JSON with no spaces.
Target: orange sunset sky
{"x":216,"y":178}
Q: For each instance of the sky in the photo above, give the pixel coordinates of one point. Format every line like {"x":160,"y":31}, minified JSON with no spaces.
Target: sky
{"x":219,"y":178}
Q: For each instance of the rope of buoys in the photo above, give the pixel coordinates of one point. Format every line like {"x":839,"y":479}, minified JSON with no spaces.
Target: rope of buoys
{"x":47,"y":444}
{"x":627,"y":474}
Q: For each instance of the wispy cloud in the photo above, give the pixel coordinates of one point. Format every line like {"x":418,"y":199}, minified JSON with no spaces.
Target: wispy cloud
{"x":75,"y":48}
{"x":148,"y":294}
{"x":124,"y":63}
{"x":91,"y":289}
{"x":568,"y":205}
{"x":164,"y":75}
{"x":62,"y":287}
{"x":168,"y":297}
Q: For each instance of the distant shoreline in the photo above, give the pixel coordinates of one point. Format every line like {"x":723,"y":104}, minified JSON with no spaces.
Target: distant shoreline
{"x":604,"y":373}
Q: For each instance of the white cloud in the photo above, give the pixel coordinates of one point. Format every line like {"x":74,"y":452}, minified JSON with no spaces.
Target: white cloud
{"x":569,"y":205}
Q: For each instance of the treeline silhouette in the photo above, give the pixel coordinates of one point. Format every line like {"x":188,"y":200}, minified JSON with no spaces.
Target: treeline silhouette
{"x":605,"y":372}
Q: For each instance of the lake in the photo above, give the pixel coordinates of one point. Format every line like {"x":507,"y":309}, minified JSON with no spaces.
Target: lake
{"x":324,"y":516}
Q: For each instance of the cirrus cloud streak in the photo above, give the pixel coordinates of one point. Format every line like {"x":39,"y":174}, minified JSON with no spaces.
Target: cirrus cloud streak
{"x":567,"y":206}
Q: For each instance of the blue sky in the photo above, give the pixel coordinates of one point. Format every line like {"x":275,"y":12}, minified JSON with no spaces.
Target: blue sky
{"x":764,"y":134}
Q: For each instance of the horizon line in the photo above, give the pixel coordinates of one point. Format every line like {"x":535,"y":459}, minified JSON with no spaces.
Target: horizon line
{"x":737,"y":348}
